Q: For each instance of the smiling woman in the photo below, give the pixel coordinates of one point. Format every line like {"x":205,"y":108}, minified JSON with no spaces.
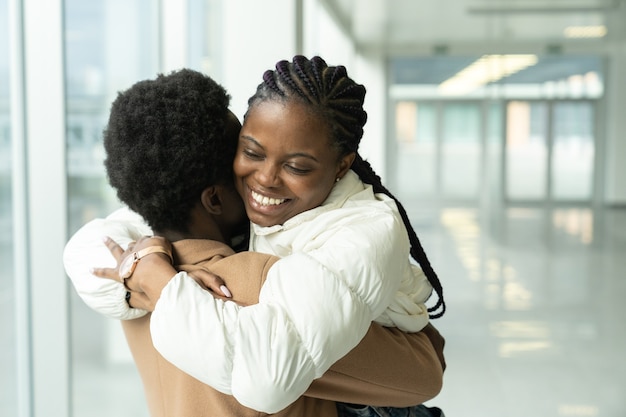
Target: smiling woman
{"x":285,"y":162}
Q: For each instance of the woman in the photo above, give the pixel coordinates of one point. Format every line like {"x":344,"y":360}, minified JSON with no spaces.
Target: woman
{"x":345,"y":251}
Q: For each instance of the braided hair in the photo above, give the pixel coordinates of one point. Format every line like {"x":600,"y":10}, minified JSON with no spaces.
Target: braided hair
{"x":338,"y":100}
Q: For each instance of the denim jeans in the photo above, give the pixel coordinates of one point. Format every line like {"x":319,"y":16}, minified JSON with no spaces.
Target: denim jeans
{"x":352,"y":410}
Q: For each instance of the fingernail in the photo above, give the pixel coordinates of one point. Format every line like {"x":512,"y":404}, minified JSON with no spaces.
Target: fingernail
{"x":105,"y":238}
{"x":226,"y":291}
{"x":91,"y":270}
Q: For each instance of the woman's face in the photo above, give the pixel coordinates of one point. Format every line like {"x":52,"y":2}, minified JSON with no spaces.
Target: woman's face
{"x":285,"y":163}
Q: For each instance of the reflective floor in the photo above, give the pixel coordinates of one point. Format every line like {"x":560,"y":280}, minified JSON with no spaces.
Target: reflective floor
{"x":534,"y":327}
{"x":535,"y":322}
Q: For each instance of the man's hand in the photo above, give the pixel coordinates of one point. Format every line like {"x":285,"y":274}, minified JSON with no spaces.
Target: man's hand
{"x":119,"y":254}
{"x":135,"y":299}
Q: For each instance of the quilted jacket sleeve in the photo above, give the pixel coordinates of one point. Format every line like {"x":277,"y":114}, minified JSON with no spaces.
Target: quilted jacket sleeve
{"x":86,"y":250}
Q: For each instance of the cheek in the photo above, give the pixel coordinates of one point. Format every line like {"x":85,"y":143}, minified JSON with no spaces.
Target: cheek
{"x":313,"y":192}
{"x":239,"y":166}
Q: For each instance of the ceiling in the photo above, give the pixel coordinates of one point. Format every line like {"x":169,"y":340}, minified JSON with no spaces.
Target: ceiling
{"x":437,"y":69}
{"x":429,"y":41}
{"x":407,"y":26}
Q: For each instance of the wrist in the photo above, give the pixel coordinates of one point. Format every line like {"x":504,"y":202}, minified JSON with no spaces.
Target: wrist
{"x":129,"y":263}
{"x":153,"y":273}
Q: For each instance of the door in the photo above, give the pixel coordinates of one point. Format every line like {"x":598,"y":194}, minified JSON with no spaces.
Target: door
{"x":549,"y":151}
{"x":439,"y":150}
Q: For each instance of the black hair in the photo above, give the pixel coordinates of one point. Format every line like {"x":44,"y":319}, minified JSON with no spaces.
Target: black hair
{"x":165,"y":143}
{"x":338,"y":99}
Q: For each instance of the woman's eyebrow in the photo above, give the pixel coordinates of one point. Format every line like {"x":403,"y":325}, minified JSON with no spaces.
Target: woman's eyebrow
{"x":250,"y":139}
{"x":291,"y":155}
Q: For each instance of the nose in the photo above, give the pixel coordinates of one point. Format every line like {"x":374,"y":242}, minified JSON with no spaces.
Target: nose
{"x":268,"y":175}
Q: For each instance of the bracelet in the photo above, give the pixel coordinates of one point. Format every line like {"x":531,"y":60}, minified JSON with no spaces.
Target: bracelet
{"x":128,"y":265}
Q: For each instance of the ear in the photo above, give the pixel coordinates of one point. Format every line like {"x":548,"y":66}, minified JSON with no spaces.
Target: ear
{"x":344,"y":164}
{"x":211,"y":200}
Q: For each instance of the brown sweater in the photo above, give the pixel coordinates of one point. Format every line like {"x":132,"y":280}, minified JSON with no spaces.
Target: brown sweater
{"x":388,"y":367}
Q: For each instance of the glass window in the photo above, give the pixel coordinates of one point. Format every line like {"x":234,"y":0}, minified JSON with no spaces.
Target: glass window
{"x":461,"y":150}
{"x":8,"y":351}
{"x":573,"y":149}
{"x":438,"y":150}
{"x":415,"y":164}
{"x":110,"y":46}
{"x":526,"y":150}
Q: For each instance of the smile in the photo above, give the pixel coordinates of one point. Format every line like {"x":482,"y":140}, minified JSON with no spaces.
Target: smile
{"x":266,"y":201}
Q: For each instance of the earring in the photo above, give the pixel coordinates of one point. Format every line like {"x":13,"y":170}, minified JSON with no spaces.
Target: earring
{"x":337,"y":179}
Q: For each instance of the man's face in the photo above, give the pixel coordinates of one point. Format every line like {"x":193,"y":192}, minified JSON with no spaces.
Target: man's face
{"x":234,"y":213}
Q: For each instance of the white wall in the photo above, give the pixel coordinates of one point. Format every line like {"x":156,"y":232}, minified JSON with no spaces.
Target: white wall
{"x":257,"y":35}
{"x":323,"y":36}
{"x":370,"y":70}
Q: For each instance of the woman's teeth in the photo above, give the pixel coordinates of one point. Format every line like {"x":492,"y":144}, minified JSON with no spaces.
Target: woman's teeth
{"x":266,"y":201}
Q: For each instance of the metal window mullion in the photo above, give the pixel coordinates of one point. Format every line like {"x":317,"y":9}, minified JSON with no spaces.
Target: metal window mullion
{"x":23,"y":341}
{"x":46,"y":211}
{"x":549,"y":198}
{"x":439,"y":143}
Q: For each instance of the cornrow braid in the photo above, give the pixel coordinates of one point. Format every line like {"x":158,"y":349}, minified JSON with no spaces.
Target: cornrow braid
{"x":339,"y":101}
{"x":299,"y":64}
{"x":284,"y":73}
{"x":269,"y":80}
{"x":315,"y":69}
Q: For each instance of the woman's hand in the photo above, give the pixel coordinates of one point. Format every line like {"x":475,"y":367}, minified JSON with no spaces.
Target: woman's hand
{"x":210,"y":281}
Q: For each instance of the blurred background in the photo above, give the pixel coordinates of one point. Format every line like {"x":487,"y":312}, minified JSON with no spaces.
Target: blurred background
{"x":499,"y":123}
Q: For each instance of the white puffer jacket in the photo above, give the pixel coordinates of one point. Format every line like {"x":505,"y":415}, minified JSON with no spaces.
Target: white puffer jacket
{"x":344,"y":264}
{"x":86,"y":250}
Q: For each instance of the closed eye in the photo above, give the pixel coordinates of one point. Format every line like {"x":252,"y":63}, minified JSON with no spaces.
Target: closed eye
{"x":252,"y":155}
{"x":297,"y":171}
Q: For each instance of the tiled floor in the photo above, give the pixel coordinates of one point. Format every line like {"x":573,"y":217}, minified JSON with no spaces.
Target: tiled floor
{"x":535,"y":322}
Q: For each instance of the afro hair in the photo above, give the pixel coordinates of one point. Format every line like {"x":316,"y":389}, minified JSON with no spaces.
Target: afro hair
{"x":166,"y":142}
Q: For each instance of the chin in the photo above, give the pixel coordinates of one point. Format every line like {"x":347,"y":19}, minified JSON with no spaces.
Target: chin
{"x":263,"y":221}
